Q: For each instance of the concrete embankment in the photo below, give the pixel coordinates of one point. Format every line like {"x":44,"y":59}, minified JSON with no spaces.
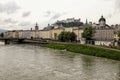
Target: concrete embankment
{"x":87,"y":50}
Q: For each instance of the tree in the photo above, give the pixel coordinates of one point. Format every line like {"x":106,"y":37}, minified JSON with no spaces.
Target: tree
{"x":69,"y":24}
{"x":1,"y":34}
{"x":73,"y":36}
{"x":61,"y":36}
{"x":67,"y":36}
{"x":88,"y":32}
{"x":118,"y":33}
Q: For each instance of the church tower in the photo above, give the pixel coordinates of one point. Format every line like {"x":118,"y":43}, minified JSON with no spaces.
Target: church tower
{"x":36,"y":27}
{"x":86,"y":22}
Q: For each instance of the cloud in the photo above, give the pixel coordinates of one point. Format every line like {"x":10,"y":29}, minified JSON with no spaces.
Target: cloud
{"x":52,"y":17}
{"x":110,"y":15}
{"x":48,"y":13}
{"x":117,"y":5}
{"x":26,"y":14}
{"x":24,"y":23}
{"x":10,"y":7}
{"x":56,"y":16}
{"x":9,"y":20}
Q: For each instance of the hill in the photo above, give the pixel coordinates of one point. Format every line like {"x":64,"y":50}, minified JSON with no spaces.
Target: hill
{"x":2,"y":30}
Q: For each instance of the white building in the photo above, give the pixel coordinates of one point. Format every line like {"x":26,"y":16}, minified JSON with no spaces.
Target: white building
{"x":25,"y":34}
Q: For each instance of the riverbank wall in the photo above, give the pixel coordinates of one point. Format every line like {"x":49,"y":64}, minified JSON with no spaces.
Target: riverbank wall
{"x":87,"y":50}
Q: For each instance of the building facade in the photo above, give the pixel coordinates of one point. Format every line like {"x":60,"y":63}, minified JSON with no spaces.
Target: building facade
{"x":55,"y":33}
{"x":104,"y":34}
{"x":78,"y":33}
{"x":45,"y":34}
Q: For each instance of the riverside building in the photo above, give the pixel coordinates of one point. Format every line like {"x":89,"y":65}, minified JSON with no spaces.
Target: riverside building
{"x":104,"y":34}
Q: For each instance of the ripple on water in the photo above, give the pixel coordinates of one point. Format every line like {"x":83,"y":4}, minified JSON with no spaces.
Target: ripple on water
{"x":29,"y":62}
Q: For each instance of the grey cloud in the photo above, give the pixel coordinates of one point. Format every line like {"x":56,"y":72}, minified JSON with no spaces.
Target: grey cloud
{"x":24,"y":24}
{"x":48,"y":13}
{"x":53,"y":15}
{"x":26,"y":14}
{"x":116,"y":8}
{"x":9,"y":20}
{"x":117,"y":5}
{"x":56,"y":16}
{"x":10,"y":7}
{"x":52,"y":19}
{"x":110,"y":16}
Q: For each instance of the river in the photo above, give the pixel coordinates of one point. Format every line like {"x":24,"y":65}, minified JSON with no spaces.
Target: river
{"x":32,"y":62}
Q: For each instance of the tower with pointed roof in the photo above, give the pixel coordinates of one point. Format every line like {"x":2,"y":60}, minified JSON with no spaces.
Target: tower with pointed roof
{"x":86,"y":22}
{"x":36,"y":27}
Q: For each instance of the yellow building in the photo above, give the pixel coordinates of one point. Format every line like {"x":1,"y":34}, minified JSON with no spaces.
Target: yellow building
{"x":11,"y":34}
{"x":45,"y":34}
{"x":55,"y":33}
{"x":33,"y":34}
{"x":116,"y":37}
{"x":70,"y":29}
{"x":15,"y":34}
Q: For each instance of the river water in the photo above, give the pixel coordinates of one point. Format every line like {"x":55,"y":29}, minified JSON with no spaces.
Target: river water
{"x":32,"y":62}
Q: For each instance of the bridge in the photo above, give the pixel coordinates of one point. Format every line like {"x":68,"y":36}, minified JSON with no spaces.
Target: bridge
{"x":20,"y":40}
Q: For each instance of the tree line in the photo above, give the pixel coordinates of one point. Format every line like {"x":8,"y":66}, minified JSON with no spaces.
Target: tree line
{"x":67,"y":36}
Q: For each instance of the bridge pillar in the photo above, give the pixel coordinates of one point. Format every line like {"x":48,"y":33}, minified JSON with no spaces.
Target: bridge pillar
{"x":7,"y":41}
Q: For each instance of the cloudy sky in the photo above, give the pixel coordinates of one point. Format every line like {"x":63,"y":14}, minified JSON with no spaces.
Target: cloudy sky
{"x":23,"y":14}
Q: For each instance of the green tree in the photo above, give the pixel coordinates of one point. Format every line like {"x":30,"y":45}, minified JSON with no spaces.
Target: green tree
{"x":73,"y":36}
{"x":72,"y":24}
{"x":61,"y":36}
{"x":88,"y":32}
{"x":1,"y":35}
{"x":67,"y":36}
{"x":118,"y":33}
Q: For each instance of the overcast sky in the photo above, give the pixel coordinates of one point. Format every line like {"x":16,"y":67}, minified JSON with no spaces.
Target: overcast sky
{"x":23,"y":14}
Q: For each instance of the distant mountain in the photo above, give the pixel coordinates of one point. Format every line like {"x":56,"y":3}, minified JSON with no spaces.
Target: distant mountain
{"x":2,"y":30}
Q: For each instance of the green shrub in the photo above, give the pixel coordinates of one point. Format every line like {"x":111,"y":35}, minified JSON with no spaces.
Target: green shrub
{"x":87,"y":50}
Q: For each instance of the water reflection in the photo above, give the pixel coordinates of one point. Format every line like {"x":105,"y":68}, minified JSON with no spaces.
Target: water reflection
{"x":88,"y":67}
{"x":118,"y":74}
{"x":29,"y":62}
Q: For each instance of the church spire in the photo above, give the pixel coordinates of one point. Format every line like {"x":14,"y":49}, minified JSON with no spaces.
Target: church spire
{"x":36,"y":26}
{"x":86,"y":22}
